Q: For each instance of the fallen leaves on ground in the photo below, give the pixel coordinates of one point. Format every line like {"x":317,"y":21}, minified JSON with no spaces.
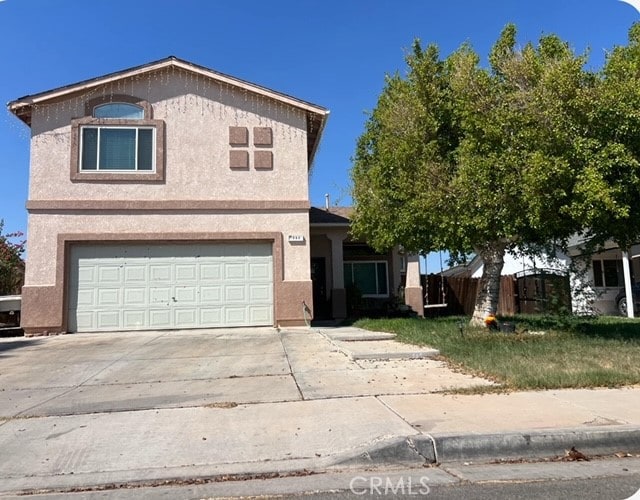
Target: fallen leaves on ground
{"x":574,"y":455}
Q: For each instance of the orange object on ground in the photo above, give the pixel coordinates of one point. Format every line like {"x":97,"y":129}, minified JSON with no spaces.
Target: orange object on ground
{"x":491,"y":322}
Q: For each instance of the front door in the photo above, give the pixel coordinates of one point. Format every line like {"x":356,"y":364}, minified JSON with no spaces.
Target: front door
{"x":319,"y":279}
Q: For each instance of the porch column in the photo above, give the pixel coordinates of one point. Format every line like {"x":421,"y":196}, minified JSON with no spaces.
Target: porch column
{"x":627,"y":283}
{"x":338,"y":292}
{"x":413,"y":293}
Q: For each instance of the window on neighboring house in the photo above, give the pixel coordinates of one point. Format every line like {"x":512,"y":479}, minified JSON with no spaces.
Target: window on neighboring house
{"x":118,"y":139}
{"x":607,"y":273}
{"x":370,"y":278}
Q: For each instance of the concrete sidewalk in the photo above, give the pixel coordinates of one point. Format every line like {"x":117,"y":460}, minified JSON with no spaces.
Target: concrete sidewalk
{"x":88,"y":410}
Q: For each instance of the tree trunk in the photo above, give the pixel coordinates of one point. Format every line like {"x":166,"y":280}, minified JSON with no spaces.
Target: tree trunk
{"x":489,"y":293}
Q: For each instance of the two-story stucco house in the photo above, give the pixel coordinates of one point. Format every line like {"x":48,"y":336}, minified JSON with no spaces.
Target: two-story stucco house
{"x":169,"y":196}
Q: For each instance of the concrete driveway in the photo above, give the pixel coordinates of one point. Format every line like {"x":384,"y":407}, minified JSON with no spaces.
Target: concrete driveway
{"x":107,"y":372}
{"x":88,"y":412}
{"x":82,"y":410}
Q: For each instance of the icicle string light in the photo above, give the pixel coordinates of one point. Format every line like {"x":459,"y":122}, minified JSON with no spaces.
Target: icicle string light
{"x":213,"y":99}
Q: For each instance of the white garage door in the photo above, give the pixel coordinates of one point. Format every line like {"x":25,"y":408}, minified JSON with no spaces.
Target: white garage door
{"x":149,"y":287}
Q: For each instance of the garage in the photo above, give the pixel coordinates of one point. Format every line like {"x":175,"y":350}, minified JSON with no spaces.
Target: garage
{"x":170,"y":286}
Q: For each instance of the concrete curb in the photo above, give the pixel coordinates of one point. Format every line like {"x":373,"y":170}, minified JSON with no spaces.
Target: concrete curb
{"x":538,"y":444}
{"x":405,"y":451}
{"x":426,"y":449}
{"x":412,"y":451}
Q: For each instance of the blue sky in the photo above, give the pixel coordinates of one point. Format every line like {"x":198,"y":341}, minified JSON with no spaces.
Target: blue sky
{"x":332,"y":53}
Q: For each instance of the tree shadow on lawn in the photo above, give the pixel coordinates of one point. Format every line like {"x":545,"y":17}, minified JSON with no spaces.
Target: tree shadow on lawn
{"x":628,"y":330}
{"x":604,"y":327}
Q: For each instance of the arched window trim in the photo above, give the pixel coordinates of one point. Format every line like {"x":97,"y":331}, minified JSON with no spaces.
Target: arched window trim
{"x":126,"y":105}
{"x":118,"y":99}
{"x":80,"y":174}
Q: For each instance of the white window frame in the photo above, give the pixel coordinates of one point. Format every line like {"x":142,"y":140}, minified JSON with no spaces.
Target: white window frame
{"x":118,"y":171}
{"x":375,"y":263}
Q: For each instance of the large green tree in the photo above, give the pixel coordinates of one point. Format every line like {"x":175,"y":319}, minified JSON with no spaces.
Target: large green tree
{"x":461,"y":157}
{"x":607,"y":191}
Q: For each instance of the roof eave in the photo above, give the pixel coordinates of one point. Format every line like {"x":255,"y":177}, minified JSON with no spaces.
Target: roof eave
{"x":313,"y":148}
{"x":22,"y":107}
{"x":21,"y":110}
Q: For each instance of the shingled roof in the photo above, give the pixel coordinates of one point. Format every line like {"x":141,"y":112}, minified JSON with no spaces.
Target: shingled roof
{"x":333,"y":216}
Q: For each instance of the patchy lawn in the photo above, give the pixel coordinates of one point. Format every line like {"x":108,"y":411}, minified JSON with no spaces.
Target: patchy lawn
{"x":545,"y":352}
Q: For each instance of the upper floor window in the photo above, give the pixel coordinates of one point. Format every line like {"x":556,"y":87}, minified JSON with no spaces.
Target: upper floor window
{"x":117,"y":148}
{"x":110,"y":147}
{"x":117,"y":139}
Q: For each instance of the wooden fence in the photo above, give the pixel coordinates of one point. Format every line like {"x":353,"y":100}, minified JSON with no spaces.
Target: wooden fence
{"x":539,"y":293}
{"x":457,"y":296}
{"x":543,"y":292}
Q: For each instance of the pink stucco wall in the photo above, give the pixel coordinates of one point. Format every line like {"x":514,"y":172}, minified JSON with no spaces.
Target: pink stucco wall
{"x":197,"y":113}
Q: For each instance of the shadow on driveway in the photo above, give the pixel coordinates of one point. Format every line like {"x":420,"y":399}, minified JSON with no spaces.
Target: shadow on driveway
{"x":10,"y":345}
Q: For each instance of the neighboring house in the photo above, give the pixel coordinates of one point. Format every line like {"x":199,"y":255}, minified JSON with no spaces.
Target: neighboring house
{"x":603,"y":278}
{"x":513,"y":264}
{"x":594,"y":286}
{"x":168,"y":196}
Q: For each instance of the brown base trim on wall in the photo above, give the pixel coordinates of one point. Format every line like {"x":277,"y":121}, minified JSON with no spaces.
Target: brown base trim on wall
{"x":290,"y":300}
{"x":290,"y":323}
{"x":41,"y":310}
{"x":42,"y":332}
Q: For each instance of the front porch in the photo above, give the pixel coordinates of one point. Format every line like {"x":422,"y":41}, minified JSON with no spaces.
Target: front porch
{"x":350,"y":279}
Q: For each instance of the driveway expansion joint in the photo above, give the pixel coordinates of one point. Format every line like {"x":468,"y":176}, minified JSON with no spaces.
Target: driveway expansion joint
{"x":291,"y":371}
